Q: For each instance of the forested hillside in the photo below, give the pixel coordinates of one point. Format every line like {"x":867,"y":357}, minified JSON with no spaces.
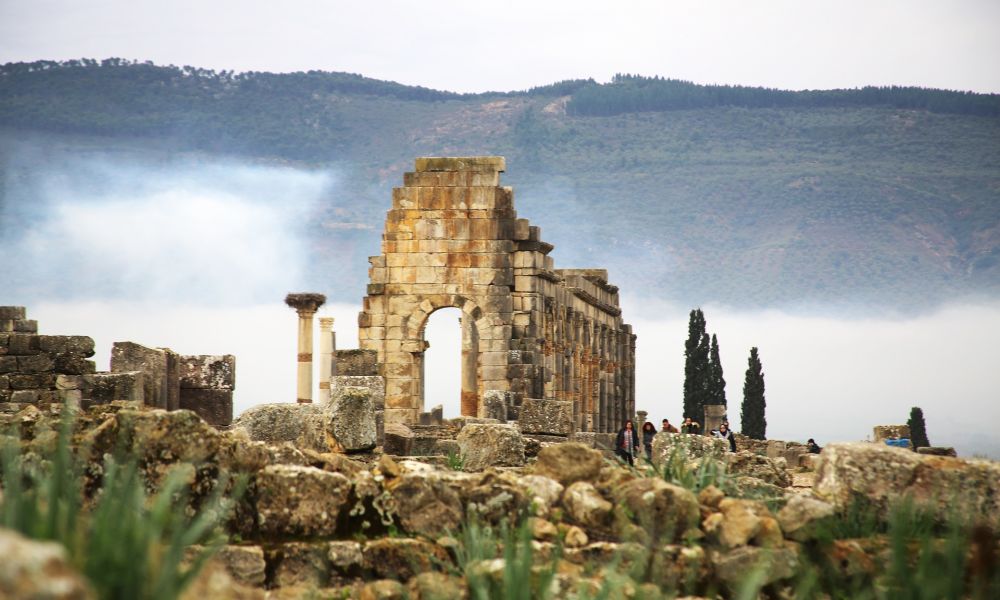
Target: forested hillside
{"x":695,"y":194}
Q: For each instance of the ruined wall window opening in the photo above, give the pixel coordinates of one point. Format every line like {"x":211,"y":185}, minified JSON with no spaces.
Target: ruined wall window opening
{"x":450,"y":363}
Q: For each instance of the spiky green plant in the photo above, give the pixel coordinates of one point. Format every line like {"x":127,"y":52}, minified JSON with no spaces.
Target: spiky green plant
{"x":127,"y":544}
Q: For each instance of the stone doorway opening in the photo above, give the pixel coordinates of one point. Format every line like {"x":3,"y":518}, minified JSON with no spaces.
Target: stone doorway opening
{"x":449,"y":366}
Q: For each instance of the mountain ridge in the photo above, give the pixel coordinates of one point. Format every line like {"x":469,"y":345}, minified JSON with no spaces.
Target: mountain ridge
{"x":753,"y":204}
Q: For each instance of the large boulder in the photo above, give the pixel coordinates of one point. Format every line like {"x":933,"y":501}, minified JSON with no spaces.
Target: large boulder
{"x":425,"y":504}
{"x":302,"y":424}
{"x":686,"y":447}
{"x":654,"y":510}
{"x":350,"y":420}
{"x":585,"y":505}
{"x":881,"y":474}
{"x":552,"y":417}
{"x":568,"y":463}
{"x":736,"y":567}
{"x":803,"y":517}
{"x":31,"y":569}
{"x":485,"y":445}
{"x":295,"y":501}
{"x":402,"y":558}
{"x":748,"y":464}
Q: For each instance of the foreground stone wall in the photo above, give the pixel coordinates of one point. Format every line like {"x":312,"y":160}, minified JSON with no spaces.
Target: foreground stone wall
{"x":453,"y":239}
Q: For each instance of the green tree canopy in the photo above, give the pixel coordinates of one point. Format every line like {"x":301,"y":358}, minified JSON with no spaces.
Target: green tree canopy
{"x":752,"y":420}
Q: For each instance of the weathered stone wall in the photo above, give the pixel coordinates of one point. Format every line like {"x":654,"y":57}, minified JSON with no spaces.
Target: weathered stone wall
{"x":54,"y":369}
{"x":453,"y":239}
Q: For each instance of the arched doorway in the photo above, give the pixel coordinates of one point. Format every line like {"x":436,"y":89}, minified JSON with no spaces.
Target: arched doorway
{"x":450,"y":362}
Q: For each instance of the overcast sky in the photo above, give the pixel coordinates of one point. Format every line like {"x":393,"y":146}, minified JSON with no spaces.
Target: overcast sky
{"x":475,"y":46}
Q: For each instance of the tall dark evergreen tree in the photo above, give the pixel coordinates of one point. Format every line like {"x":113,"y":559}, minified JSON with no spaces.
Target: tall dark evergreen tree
{"x":696,"y":369}
{"x":716,"y":381}
{"x":752,"y":421}
{"x":918,"y":429}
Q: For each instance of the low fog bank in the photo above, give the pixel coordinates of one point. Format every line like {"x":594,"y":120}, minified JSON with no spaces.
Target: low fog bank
{"x":189,"y":230}
{"x":832,"y":379}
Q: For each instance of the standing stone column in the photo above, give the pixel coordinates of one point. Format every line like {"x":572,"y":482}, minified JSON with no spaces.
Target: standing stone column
{"x":306,"y":306}
{"x":325,"y":355}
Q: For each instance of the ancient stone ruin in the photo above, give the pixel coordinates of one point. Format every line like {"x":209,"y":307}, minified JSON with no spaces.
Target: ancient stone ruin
{"x":542,"y":345}
{"x":43,"y":370}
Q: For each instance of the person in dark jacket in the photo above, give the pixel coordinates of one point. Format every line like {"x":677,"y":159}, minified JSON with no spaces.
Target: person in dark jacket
{"x":813,"y":447}
{"x":725,"y":434}
{"x":627,"y":443}
{"x":690,"y":426}
{"x":648,"y":431}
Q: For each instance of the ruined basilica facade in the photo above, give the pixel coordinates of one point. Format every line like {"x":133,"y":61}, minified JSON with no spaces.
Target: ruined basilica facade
{"x":531,"y":333}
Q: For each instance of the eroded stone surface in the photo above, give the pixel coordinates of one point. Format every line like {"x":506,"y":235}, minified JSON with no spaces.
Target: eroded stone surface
{"x":485,"y":445}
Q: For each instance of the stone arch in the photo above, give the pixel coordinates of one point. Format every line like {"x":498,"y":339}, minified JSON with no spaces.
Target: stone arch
{"x":471,"y":365}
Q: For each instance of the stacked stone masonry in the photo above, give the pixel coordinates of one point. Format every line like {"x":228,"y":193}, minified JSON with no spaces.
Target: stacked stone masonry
{"x":54,"y":369}
{"x":453,"y":239}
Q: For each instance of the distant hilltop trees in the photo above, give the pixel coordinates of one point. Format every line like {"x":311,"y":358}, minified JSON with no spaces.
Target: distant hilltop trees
{"x":634,"y":93}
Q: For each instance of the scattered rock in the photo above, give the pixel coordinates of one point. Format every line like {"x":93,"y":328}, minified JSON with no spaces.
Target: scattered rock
{"x":553,"y":417}
{"x":300,"y":564}
{"x":568,"y":463}
{"x":31,"y":569}
{"x":302,"y":424}
{"x":425,"y":504}
{"x":350,"y":420}
{"x":585,"y":505}
{"x":575,"y":537}
{"x":687,"y":447}
{"x":662,"y":511}
{"x":735,"y":567}
{"x":402,"y":558}
{"x":770,"y":470}
{"x":803,"y":515}
{"x":300,"y":501}
{"x":485,"y":445}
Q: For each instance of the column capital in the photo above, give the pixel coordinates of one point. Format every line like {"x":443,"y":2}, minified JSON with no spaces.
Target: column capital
{"x":326,"y":323}
{"x":306,"y":302}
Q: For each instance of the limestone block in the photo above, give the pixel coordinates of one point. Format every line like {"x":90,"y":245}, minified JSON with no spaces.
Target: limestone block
{"x":490,"y":164}
{"x":215,"y":406}
{"x":775,"y":448}
{"x":102,"y":388}
{"x":554,"y":417}
{"x":13,"y":313}
{"x":398,"y":439}
{"x":8,"y":364}
{"x":29,"y":381}
{"x":494,"y":405}
{"x":151,"y":362}
{"x":79,"y":345}
{"x":35,"y":569}
{"x":207,"y":371}
{"x":373,"y":383}
{"x":401,"y":559}
{"x":71,"y":364}
{"x":302,"y":424}
{"x":521,"y":229}
{"x":691,"y":447}
{"x":357,"y":363}
{"x":24,"y":326}
{"x":881,"y":474}
{"x":37,"y":363}
{"x":21,"y":344}
{"x":245,"y":564}
{"x":297,"y":501}
{"x":484,"y":445}
{"x":568,"y":463}
{"x":350,"y":419}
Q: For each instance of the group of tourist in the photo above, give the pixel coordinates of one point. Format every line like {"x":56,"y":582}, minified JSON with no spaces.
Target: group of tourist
{"x":627,"y":442}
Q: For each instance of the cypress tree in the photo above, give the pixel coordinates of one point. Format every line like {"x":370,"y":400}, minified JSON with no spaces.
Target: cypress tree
{"x":918,"y":429}
{"x":752,"y":421}
{"x":717,"y":383}
{"x":696,"y":350}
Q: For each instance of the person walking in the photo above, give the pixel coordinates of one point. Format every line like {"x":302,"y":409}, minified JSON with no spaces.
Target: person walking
{"x":648,"y":432}
{"x":724,"y":434}
{"x":627,"y":442}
